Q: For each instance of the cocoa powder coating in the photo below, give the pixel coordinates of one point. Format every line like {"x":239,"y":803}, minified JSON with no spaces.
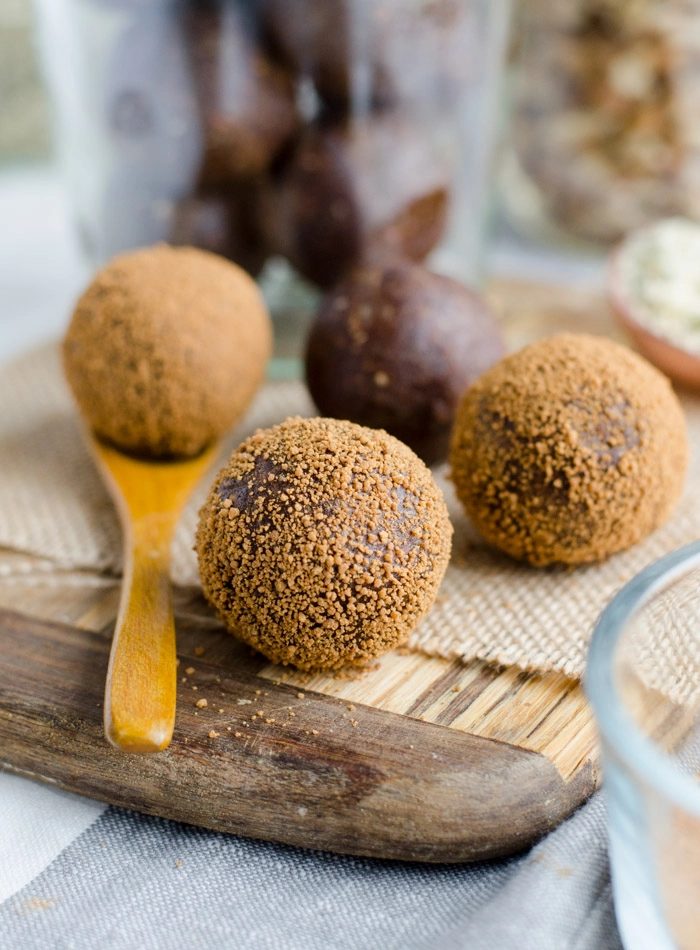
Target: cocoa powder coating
{"x":569,"y":450}
{"x":322,"y":543}
{"x":166,"y":349}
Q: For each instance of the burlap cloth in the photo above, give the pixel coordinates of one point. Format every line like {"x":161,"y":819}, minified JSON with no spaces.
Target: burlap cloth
{"x":53,"y":505}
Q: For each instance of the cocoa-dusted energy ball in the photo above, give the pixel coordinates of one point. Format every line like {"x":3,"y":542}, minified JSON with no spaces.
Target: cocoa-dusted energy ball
{"x":166,"y":349}
{"x":394,"y":347}
{"x":569,"y":450}
{"x":323,"y":543}
{"x":347,"y":186}
{"x":247,"y":102}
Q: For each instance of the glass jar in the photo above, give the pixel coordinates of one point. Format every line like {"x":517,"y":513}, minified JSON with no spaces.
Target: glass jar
{"x":312,"y":130}
{"x":643,"y":679}
{"x":604,"y":133}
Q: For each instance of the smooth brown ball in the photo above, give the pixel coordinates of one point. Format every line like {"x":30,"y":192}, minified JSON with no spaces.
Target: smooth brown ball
{"x":323,"y":543}
{"x":394,"y":347}
{"x":166,"y":349}
{"x":568,"y":451}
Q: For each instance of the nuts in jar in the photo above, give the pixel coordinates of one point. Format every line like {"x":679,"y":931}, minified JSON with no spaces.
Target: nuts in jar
{"x":604,"y":114}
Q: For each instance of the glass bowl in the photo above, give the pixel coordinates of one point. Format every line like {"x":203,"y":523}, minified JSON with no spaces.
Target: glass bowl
{"x":643,"y":679}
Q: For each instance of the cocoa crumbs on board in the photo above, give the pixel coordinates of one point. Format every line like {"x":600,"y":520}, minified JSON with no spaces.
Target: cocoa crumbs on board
{"x":323,"y":543}
{"x":166,"y":349}
{"x":569,"y":450}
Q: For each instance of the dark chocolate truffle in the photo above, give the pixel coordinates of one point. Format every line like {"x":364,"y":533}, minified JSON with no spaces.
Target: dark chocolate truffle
{"x":569,"y":450}
{"x":379,"y":181}
{"x":394,"y":347}
{"x":323,"y":543}
{"x":166,"y":349}
{"x":248,"y":103}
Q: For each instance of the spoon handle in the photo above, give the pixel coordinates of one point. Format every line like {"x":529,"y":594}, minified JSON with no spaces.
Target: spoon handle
{"x":140,"y":692}
{"x":139,"y":709}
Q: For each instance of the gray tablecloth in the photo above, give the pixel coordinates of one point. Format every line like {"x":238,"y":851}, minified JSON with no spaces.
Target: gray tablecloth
{"x":130,"y":881}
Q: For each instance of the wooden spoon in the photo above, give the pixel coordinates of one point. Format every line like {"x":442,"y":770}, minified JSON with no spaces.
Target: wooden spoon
{"x":139,"y":708}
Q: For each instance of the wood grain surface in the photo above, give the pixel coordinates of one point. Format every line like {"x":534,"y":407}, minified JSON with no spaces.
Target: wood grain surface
{"x":416,"y":758}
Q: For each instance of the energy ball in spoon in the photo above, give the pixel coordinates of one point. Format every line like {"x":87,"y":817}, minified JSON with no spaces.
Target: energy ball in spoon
{"x":166,"y":349}
{"x":568,"y":451}
{"x":323,"y":543}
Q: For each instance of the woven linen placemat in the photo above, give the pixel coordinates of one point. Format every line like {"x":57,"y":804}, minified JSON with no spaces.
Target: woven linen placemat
{"x":53,"y":506}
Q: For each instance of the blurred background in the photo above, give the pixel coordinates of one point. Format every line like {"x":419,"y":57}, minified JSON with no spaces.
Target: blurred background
{"x":588,"y":123}
{"x":24,"y":129}
{"x":41,"y":264}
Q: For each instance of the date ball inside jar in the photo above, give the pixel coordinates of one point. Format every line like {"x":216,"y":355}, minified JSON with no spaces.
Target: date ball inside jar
{"x":224,"y":222}
{"x":165,"y":350}
{"x":247,"y":102}
{"x":420,"y":53}
{"x":568,"y":451}
{"x":349,"y":186}
{"x":394,"y":347}
{"x":323,"y":543}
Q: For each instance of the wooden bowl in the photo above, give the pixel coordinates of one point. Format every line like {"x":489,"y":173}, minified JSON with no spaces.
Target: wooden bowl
{"x":679,"y":365}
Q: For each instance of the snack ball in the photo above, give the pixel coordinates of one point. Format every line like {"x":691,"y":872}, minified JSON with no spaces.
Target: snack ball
{"x":568,"y":451}
{"x":322,"y":543}
{"x":166,"y":349}
{"x":395,"y":346}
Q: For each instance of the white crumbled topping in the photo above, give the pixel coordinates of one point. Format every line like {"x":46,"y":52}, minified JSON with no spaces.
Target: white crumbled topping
{"x":660,"y":274}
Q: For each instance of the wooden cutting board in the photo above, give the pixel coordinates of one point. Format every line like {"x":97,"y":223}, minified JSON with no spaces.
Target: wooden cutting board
{"x":417,"y":758}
